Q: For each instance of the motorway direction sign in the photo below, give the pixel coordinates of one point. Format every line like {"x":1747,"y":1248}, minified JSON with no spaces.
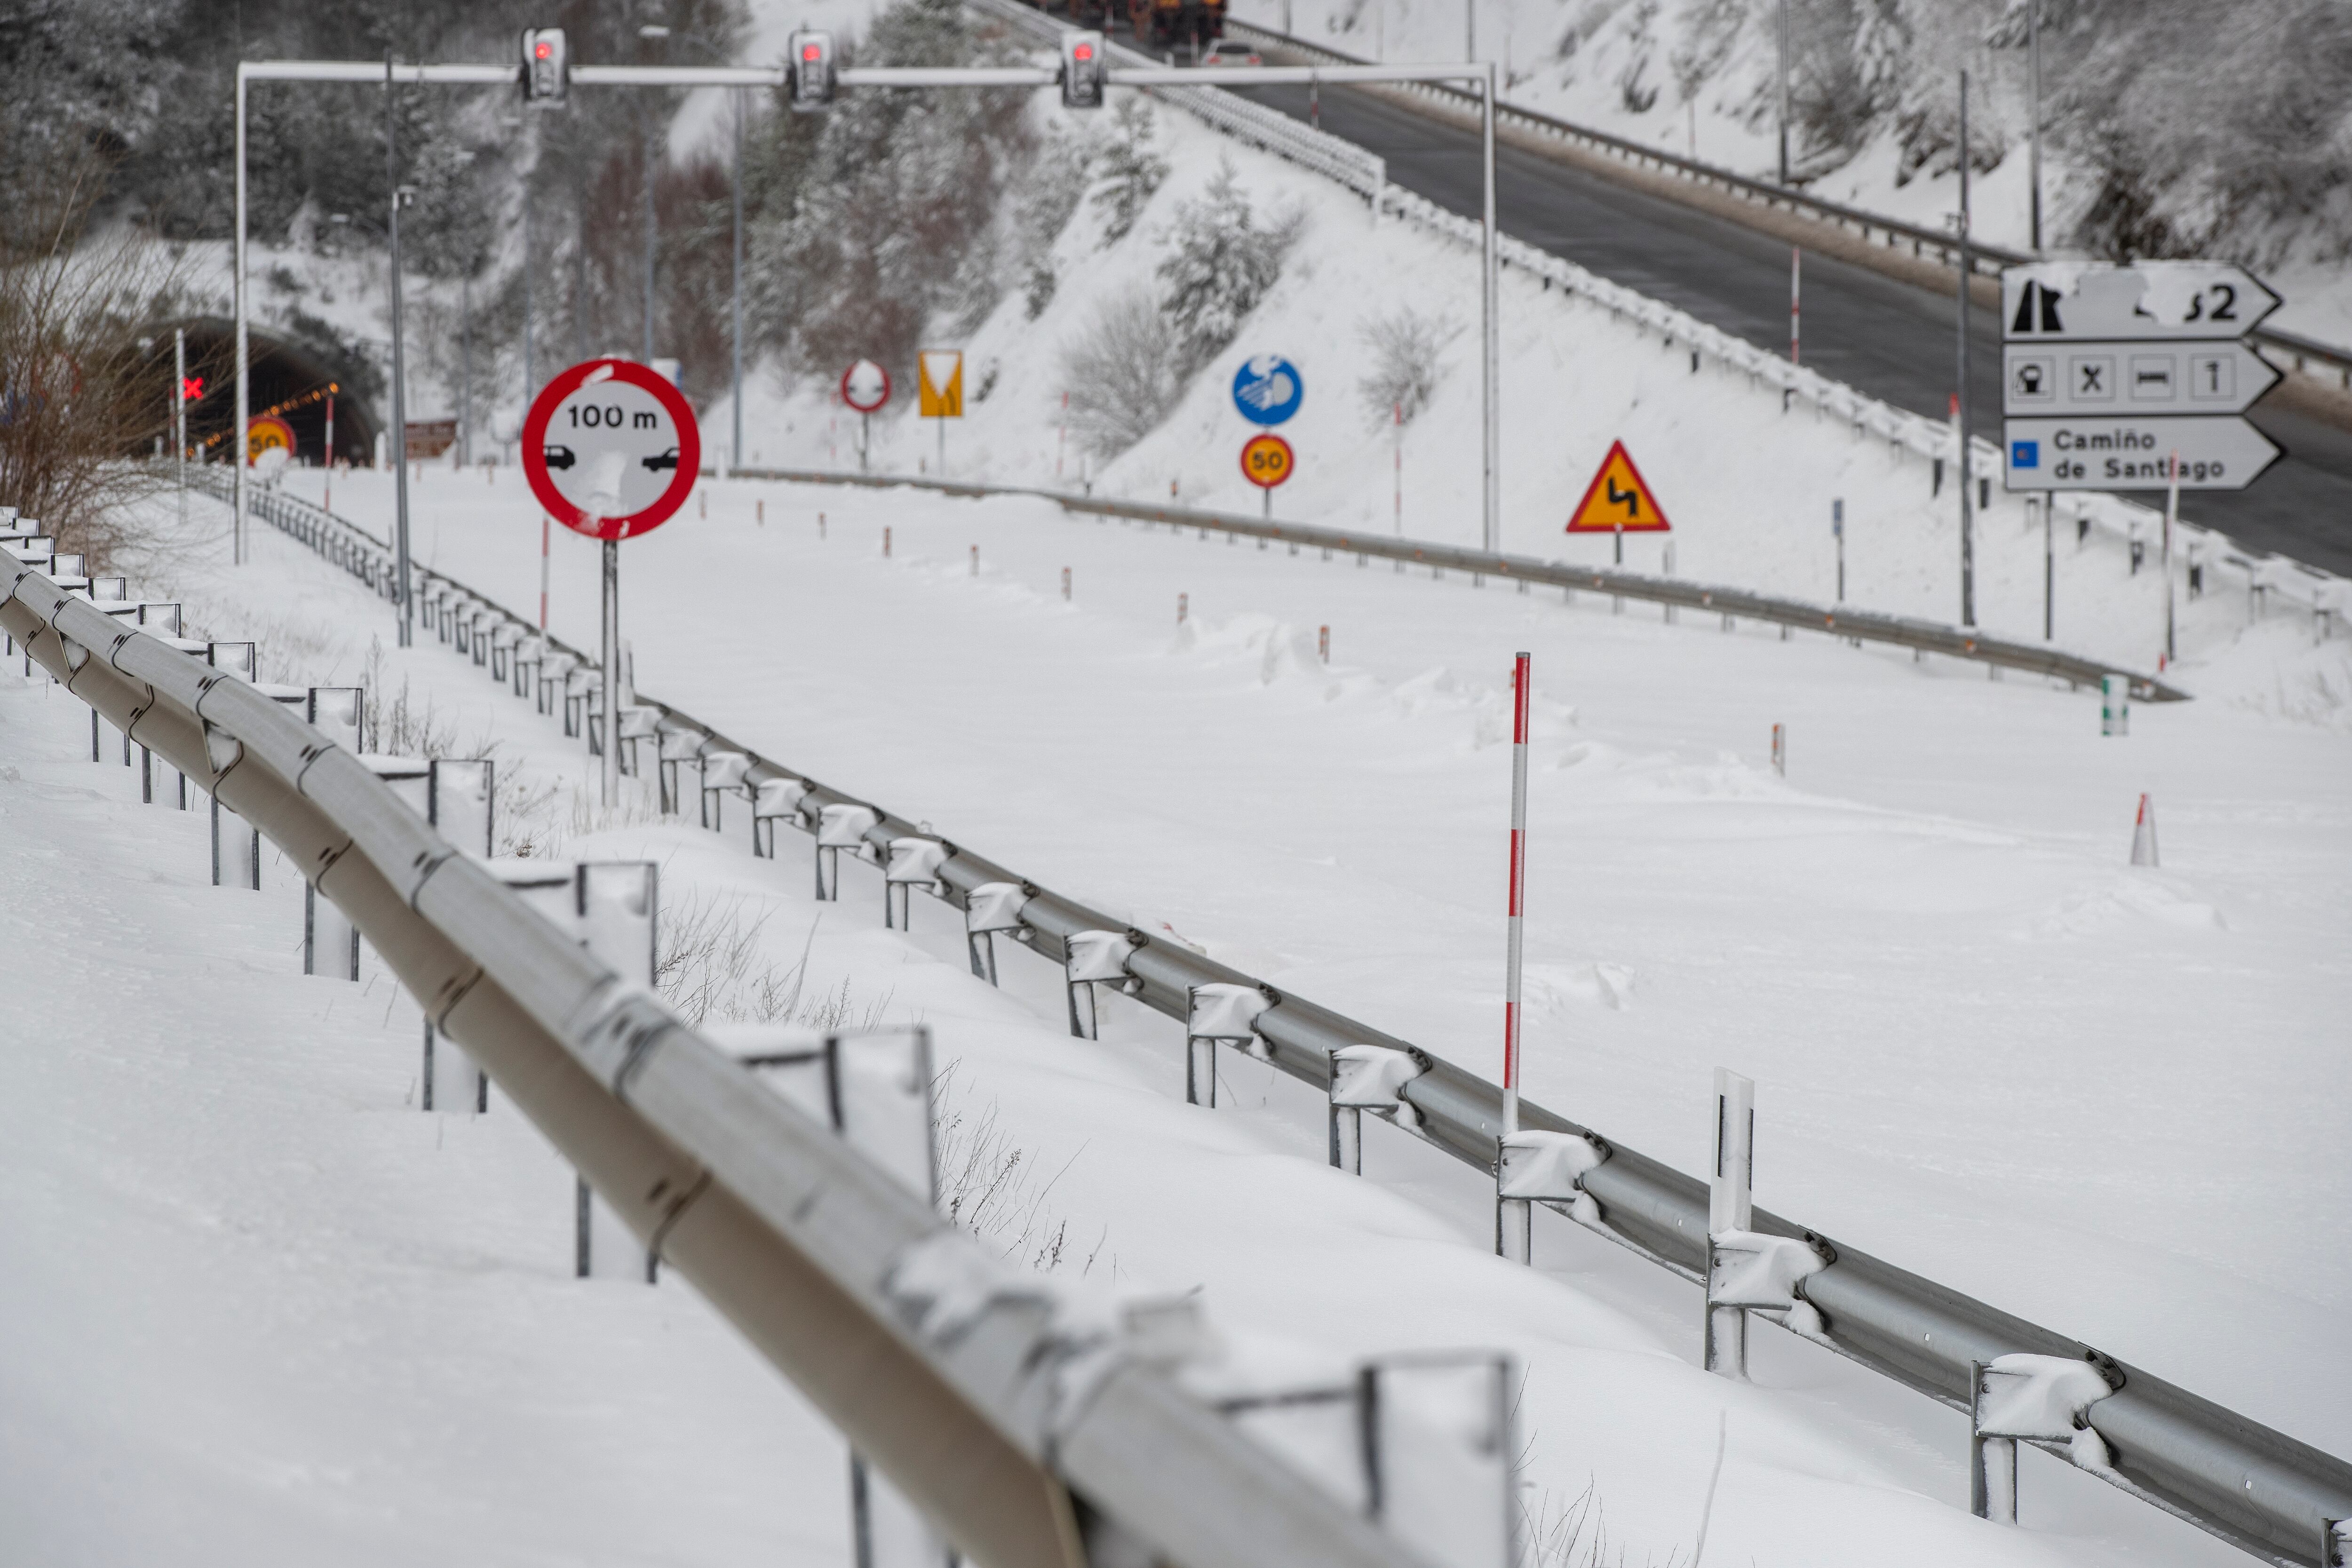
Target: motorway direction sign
{"x":1267,"y":460}
{"x":940,"y":377}
{"x":610,"y":448}
{"x":2063,"y":301}
{"x":2124,"y":376}
{"x":865,"y":386}
{"x":1618,"y":499}
{"x":2108,"y":372}
{"x":2120,"y":453}
{"x":1268,"y":389}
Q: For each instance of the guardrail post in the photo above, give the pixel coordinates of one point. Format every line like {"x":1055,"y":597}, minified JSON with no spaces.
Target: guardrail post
{"x":678,"y":747}
{"x":841,"y":825}
{"x":1992,"y":1461}
{"x":237,"y":845}
{"x":987,"y":909}
{"x":1368,"y":1078}
{"x":330,"y":941}
{"x":722,"y":772}
{"x":618,"y":910}
{"x":775,"y":799}
{"x":914,"y":862}
{"x":460,"y":801}
{"x":1215,"y":1012}
{"x":1730,"y":1207}
{"x":1098,"y":957}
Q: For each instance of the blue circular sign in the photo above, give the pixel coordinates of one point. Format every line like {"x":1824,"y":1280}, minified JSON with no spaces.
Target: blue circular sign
{"x":1267,"y":390}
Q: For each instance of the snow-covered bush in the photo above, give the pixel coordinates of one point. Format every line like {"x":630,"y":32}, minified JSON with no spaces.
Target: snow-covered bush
{"x":1128,"y":172}
{"x":1407,"y":361}
{"x":1224,"y":264}
{"x":1124,"y":372}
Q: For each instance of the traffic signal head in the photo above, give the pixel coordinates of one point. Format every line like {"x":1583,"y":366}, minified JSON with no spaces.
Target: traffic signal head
{"x":546,"y":67}
{"x":808,"y":70}
{"x":1085,"y":69}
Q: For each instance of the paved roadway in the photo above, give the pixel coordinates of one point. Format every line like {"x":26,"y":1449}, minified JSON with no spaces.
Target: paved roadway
{"x":1888,"y":338}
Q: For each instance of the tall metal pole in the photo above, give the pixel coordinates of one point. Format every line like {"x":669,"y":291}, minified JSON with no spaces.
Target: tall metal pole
{"x":649,"y":247}
{"x":2033,"y":139}
{"x":1782,"y":35}
{"x":2172,"y":515}
{"x":180,"y":415}
{"x":1513,"y":1216}
{"x":529,"y":289}
{"x":612,"y":695}
{"x":236,"y":452}
{"x":1960,"y":425}
{"x":1470,"y":30}
{"x":1490,"y":351}
{"x":735,"y":455}
{"x":466,"y":371}
{"x":397,"y":447}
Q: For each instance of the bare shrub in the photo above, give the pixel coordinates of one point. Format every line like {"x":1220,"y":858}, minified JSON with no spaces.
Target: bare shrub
{"x":77,"y":392}
{"x":989,"y":1185}
{"x":1125,"y":372}
{"x":1408,"y":362}
{"x":710,"y":966}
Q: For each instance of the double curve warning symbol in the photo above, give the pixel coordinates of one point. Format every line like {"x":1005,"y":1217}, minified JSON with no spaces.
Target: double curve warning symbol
{"x":1617,"y":497}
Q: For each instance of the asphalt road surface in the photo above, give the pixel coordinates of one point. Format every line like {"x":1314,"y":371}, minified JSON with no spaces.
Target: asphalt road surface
{"x":1888,"y":338}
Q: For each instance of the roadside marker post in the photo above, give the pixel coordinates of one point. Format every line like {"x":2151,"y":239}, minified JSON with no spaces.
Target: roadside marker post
{"x":1514,"y":1217}
{"x":1780,"y":750}
{"x":612,"y":450}
{"x":2114,"y":705}
{"x":2143,"y":851}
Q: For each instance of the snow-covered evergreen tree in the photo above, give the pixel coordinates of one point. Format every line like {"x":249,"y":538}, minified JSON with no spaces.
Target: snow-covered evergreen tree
{"x":1224,"y":263}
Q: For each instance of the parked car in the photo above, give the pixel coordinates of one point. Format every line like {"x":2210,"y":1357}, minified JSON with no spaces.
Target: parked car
{"x":1230,"y":52}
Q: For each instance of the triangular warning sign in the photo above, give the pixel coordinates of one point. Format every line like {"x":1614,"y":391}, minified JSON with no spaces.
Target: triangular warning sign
{"x":1617,"y":497}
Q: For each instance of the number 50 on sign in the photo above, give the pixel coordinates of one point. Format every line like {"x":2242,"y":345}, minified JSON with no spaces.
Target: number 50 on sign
{"x":1267,"y":460}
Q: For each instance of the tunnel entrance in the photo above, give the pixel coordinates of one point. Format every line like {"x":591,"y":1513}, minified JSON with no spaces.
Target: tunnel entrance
{"x":290,"y":377}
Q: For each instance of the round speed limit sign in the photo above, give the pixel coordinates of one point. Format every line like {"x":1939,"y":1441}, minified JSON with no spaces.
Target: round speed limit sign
{"x":1267,"y":460}
{"x":610,"y":448}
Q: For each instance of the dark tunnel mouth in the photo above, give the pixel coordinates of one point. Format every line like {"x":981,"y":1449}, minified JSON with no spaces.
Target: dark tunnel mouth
{"x":287,"y":376}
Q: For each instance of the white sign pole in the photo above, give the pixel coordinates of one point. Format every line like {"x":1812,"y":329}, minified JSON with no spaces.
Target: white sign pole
{"x":2172,"y":515}
{"x":611,"y":698}
{"x":1490,"y":342}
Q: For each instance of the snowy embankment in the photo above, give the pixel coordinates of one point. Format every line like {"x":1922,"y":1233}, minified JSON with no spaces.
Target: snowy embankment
{"x":1983,"y":1041}
{"x":260,"y":1299}
{"x":1698,"y":79}
{"x":1748,"y":486}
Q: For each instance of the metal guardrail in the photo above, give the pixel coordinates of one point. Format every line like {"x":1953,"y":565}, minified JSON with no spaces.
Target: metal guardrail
{"x":1732,"y":603}
{"x":2272,"y":1496}
{"x":2291,"y":349}
{"x":959,"y":1378}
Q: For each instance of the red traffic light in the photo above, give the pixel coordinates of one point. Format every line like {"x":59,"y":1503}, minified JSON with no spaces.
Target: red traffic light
{"x":544,"y":49}
{"x":1083,"y":52}
{"x":812,"y":52}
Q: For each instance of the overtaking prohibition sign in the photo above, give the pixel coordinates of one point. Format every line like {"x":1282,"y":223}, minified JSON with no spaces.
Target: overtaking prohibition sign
{"x":610,"y":448}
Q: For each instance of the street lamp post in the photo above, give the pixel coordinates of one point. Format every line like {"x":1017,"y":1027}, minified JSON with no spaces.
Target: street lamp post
{"x":395,"y":448}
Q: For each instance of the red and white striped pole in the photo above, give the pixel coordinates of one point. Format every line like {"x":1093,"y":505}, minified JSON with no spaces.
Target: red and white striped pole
{"x":1514,"y":1217}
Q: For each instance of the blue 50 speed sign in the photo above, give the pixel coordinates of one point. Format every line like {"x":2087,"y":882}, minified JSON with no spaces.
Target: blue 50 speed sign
{"x":1266,"y":389}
